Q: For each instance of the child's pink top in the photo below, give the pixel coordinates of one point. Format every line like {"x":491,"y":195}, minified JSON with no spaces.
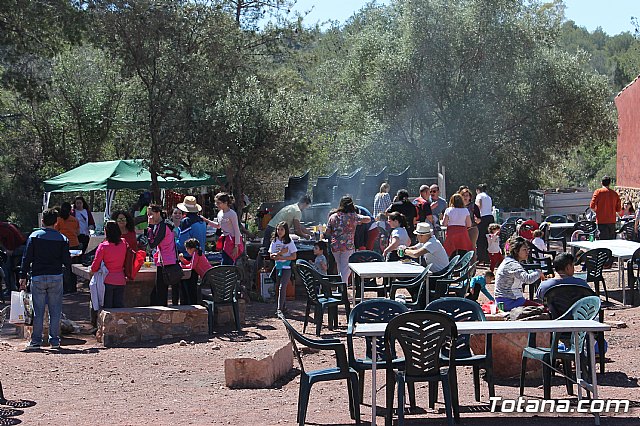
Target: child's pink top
{"x":113,"y":256}
{"x":199,"y":263}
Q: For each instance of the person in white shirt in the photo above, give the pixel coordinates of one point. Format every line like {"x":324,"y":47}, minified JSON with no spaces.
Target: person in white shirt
{"x":485,"y":204}
{"x":457,"y":220}
{"x":429,"y":248}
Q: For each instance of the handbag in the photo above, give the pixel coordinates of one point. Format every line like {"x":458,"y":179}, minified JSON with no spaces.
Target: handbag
{"x":171,"y":274}
{"x":133,"y":261}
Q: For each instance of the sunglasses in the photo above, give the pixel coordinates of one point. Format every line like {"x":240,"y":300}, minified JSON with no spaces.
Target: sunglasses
{"x":433,"y":191}
{"x":122,"y":219}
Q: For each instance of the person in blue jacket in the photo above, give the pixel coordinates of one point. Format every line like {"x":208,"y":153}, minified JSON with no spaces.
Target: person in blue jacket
{"x":191,"y":226}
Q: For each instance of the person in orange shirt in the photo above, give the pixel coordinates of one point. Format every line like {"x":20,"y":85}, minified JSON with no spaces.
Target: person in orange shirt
{"x":68,"y":226}
{"x":606,"y":203}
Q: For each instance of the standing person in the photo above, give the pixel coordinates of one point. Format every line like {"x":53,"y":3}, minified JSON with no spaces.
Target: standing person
{"x":198,"y":264}
{"x":176,"y":218}
{"x":86,"y":222}
{"x":283,"y":251}
{"x":423,"y":205}
{"x":165,"y":256}
{"x":227,"y":221}
{"x":192,"y":225}
{"x":366,"y":233}
{"x":399,"y":237}
{"x":68,"y":226}
{"x":292,"y":214}
{"x":112,"y":252}
{"x":12,"y":241}
{"x":485,"y":204}
{"x":341,"y":229}
{"x":142,"y":205}
{"x":511,"y":276}
{"x":606,"y":203}
{"x":474,"y":214}
{"x":127,"y":228}
{"x":382,"y":200}
{"x":493,"y":246}
{"x":408,"y":210}
{"x":46,"y":252}
{"x":438,"y":206}
{"x":457,"y":220}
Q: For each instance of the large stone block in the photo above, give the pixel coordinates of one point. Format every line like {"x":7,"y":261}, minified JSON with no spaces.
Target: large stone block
{"x":126,"y":326}
{"x":224,"y":313}
{"x":259,"y":364}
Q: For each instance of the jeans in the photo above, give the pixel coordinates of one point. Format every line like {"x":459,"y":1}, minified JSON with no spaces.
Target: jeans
{"x":342,"y":262}
{"x":46,"y":289}
{"x":113,"y":296}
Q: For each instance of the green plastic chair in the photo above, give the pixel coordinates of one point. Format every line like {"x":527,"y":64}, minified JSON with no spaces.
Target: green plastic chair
{"x":586,"y":308}
{"x":341,"y":371}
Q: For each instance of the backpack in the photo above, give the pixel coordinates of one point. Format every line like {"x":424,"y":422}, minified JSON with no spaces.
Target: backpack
{"x":133,"y":261}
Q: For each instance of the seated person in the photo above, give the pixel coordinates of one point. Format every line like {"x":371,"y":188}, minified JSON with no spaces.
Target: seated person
{"x":429,"y":248}
{"x":479,"y":284}
{"x":564,"y":267}
{"x":511,"y":276}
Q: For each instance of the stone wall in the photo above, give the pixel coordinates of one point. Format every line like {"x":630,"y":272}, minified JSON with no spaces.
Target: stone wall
{"x":130,"y":326}
{"x":632,"y":194}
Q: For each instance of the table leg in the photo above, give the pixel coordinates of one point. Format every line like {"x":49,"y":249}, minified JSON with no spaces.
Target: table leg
{"x":353,"y":286}
{"x":578,"y":366}
{"x":594,"y":373}
{"x":621,"y":280}
{"x":374,"y":358}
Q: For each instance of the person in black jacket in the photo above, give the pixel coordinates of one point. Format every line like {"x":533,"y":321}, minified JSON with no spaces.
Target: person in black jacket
{"x":402,"y":205}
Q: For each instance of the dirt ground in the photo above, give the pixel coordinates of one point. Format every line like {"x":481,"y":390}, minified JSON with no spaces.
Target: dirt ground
{"x":166,"y":383}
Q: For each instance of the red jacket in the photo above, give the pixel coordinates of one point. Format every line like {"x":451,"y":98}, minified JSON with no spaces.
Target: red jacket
{"x":606,"y":203}
{"x":10,"y":237}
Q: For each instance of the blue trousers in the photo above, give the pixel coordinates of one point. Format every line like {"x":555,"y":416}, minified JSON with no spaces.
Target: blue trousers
{"x":46,"y":290}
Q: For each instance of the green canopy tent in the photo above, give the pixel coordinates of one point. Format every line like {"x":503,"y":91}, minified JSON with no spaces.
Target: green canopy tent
{"x":118,"y":174}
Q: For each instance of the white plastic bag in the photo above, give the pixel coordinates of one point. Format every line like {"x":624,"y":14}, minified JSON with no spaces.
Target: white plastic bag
{"x":16,"y":315}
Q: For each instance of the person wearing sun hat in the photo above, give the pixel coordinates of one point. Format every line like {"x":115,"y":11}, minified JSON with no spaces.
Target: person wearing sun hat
{"x":429,"y":247}
{"x":191,"y":226}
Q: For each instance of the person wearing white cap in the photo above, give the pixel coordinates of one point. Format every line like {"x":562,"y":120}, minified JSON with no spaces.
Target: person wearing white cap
{"x":429,"y":247}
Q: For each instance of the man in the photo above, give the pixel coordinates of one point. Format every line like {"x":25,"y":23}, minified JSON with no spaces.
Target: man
{"x":428,"y":247}
{"x":485,"y":204}
{"x":563,"y":264}
{"x":292,"y":214}
{"x":606,"y":203}
{"x":423,"y":205}
{"x":46,"y":253}
{"x":12,"y":242}
{"x":438,"y":206}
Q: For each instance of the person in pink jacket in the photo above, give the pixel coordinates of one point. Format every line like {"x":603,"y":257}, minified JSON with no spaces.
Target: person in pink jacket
{"x":112,"y":252}
{"x":198,"y":264}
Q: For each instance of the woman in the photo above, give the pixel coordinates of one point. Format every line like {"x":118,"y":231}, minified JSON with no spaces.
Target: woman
{"x":85,"y":220}
{"x":474,"y":214}
{"x":228,"y":222}
{"x":162,"y":242}
{"x":406,"y":207}
{"x":68,"y":226}
{"x":382,"y":200}
{"x":627,"y":212}
{"x":399,"y":236}
{"x":176,"y":217}
{"x":511,"y":276}
{"x":112,"y":252}
{"x":127,"y":228}
{"x":457,"y":220}
{"x":341,"y":229}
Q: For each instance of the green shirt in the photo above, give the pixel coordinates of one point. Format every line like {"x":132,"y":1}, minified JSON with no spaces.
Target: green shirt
{"x":287,"y":214}
{"x":143,"y":225}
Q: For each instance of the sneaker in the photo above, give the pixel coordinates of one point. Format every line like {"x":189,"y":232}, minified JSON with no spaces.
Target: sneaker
{"x":32,"y":346}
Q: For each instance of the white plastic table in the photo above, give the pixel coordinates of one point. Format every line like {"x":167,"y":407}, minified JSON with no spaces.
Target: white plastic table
{"x":382,"y":270}
{"x":375,"y":330}
{"x":622,"y":249}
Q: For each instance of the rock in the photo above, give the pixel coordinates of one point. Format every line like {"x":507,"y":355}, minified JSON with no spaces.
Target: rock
{"x":259,"y":364}
{"x":617,"y":324}
{"x":183,"y":343}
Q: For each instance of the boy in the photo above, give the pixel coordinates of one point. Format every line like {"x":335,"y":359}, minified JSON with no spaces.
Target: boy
{"x":479,"y":284}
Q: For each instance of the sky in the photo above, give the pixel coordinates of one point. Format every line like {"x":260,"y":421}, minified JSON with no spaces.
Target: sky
{"x":614,"y":16}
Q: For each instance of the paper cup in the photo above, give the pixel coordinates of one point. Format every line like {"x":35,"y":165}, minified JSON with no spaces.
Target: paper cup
{"x":493,"y":308}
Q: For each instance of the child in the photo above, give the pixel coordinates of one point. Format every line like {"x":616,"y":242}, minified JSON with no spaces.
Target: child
{"x":198,"y":264}
{"x":384,"y":232}
{"x":283,"y":251}
{"x":320,"y":263}
{"x":538,"y":241}
{"x":479,"y":284}
{"x":493,"y":239}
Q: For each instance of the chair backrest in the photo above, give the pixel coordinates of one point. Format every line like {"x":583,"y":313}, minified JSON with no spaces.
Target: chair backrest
{"x":308,"y":278}
{"x":421,"y":335}
{"x":594,"y":263}
{"x":633,"y":267}
{"x":558,"y":299}
{"x":556,"y":218}
{"x":365,"y":256}
{"x":223,"y":280}
{"x":586,"y":308}
{"x":373,"y":311}
{"x":506,"y":231}
{"x":462,"y":267}
{"x":628,"y":232}
{"x":459,"y":309}
{"x":448,"y":271}
{"x":585,"y":226}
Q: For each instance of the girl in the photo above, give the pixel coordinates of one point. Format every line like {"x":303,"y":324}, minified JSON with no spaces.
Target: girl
{"x":232,"y":246}
{"x":112,"y":252}
{"x":511,"y":276}
{"x":283,"y":251}
{"x":399,"y":236}
{"x":320,"y":262}
{"x":198,"y":264}
{"x":493,"y":246}
{"x":457,"y":220}
{"x":382,"y":200}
